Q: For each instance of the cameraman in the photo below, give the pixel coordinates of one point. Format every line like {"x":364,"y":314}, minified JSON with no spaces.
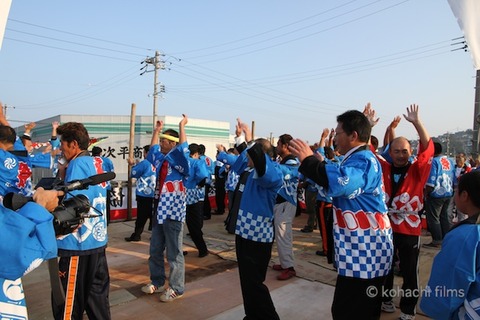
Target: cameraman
{"x":83,"y":263}
{"x":27,"y":238}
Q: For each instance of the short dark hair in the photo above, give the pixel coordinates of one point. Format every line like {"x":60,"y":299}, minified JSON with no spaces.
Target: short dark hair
{"x":194,"y":148}
{"x":470,"y":182}
{"x":437,"y":147}
{"x":146,"y":148}
{"x":7,"y":134}
{"x":201,"y":149}
{"x":74,"y":131}
{"x":267,"y":147}
{"x":96,"y":151}
{"x":171,"y":132}
{"x":285,"y":138}
{"x":374,"y":141}
{"x":354,"y":120}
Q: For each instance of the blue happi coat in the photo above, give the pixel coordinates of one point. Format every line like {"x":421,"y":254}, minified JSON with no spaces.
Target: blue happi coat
{"x":93,"y":232}
{"x":171,"y":204}
{"x":27,"y":238}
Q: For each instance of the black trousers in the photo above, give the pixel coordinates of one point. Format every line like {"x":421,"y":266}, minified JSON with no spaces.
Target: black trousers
{"x":324,"y":211}
{"x":109,"y":200}
{"x":194,"y":221}
{"x":253,"y":258}
{"x":144,"y":213}
{"x":407,"y":248}
{"x":207,"y":209}
{"x":220,"y":194}
{"x":356,"y":298}
{"x":86,"y":283}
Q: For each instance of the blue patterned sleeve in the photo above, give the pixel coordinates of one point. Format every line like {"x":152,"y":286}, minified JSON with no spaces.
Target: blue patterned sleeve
{"x":27,"y":238}
{"x":178,"y":158}
{"x":453,"y":275}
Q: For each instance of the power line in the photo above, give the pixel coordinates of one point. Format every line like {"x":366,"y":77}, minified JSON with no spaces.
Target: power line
{"x":80,"y":35}
{"x":72,"y":42}
{"x":265,"y":32}
{"x":70,"y":50}
{"x":328,"y":71}
{"x":99,"y":88}
{"x":236,"y":49}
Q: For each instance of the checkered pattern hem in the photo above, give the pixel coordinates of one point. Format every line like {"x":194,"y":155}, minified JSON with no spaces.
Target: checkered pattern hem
{"x":172,"y":206}
{"x":195,"y":195}
{"x":363,"y":253}
{"x":254,"y":227}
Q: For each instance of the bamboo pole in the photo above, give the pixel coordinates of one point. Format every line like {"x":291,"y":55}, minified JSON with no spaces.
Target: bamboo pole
{"x":130,"y":156}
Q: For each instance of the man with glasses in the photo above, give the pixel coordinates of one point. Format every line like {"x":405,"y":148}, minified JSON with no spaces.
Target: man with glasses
{"x":362,"y":232}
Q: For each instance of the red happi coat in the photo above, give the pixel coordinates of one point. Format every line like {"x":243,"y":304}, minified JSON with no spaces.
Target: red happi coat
{"x":408,"y":200}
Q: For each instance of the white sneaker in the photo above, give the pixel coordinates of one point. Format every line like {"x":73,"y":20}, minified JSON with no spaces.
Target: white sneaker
{"x":151,"y":289}
{"x":404,"y":316}
{"x":388,"y":307}
{"x":169,"y":295}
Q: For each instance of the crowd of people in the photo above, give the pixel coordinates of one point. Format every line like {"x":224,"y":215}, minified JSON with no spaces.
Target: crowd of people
{"x":368,"y":204}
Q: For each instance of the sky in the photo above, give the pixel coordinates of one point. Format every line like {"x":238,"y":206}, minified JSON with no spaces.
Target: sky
{"x":289,"y":66}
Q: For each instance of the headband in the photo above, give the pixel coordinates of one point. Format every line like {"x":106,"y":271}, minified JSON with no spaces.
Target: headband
{"x":169,"y":137}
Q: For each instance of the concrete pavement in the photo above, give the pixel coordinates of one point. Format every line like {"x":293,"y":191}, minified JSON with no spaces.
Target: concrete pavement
{"x":212,"y":284}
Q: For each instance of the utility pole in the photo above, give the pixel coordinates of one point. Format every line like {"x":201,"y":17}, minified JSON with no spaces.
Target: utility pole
{"x":158,"y":88}
{"x":5,"y":107}
{"x":448,"y":143}
{"x":476,"y":117}
{"x":155,"y":88}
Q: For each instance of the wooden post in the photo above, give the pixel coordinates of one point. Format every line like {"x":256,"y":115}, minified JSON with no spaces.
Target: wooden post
{"x":253,"y":130}
{"x":130,"y":156}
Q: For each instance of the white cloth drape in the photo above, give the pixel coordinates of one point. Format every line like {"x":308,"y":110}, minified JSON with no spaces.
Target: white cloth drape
{"x":467,"y":13}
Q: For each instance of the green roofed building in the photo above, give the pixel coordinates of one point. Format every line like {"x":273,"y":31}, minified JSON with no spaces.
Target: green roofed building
{"x":113,"y":135}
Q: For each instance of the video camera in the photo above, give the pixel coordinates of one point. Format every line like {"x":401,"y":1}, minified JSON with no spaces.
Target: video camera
{"x":72,"y":211}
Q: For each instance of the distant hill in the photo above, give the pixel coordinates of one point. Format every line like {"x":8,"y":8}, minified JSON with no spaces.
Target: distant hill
{"x":453,"y":143}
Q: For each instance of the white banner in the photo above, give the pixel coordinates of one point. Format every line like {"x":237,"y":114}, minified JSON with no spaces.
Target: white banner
{"x":467,"y":13}
{"x":4,"y":10}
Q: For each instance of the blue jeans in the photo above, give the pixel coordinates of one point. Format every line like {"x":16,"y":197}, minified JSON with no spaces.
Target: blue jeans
{"x":169,"y":236}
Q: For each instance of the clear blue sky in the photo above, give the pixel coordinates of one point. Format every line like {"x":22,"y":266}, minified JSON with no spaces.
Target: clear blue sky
{"x":290,"y":66}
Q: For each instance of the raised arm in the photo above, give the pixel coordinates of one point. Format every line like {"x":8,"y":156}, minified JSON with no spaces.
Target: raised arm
{"x":412,"y":116}
{"x":390,"y":131}
{"x":371,"y":115}
{"x":330,"y":138}
{"x":55,"y":125}
{"x":181,"y":127}
{"x":246,"y":131}
{"x":29,"y":127}
{"x":156,"y":132}
{"x":323,"y":137}
{"x":238,"y":128}
{"x":221,"y":148}
{"x":3,"y":119}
